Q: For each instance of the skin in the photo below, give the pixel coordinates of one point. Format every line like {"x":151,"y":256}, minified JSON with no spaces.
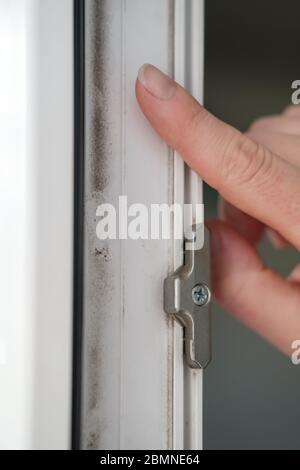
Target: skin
{"x":257,"y":175}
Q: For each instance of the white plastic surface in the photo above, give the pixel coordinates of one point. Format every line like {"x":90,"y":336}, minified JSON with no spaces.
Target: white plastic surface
{"x":134,"y":392}
{"x":36,"y":198}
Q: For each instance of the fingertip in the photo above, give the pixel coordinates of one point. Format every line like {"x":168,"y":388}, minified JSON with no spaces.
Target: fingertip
{"x":139,"y":89}
{"x":156,"y":82}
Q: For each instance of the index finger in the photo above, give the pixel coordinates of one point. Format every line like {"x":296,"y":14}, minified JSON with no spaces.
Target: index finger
{"x":246,"y":173}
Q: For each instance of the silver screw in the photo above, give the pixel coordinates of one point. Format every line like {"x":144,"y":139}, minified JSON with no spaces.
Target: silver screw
{"x":201,"y":295}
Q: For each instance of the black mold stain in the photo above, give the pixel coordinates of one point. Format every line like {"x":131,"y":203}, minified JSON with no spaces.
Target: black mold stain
{"x":98,"y":92}
{"x":103,"y":253}
{"x":98,"y":277}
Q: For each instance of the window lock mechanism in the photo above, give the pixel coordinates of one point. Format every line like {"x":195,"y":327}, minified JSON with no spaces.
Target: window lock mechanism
{"x":187,"y":296}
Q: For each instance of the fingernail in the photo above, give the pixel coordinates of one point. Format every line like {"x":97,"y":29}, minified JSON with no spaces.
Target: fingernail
{"x":156,"y":82}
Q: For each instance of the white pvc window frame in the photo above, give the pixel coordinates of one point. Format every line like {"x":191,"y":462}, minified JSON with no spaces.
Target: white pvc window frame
{"x":137,"y":392}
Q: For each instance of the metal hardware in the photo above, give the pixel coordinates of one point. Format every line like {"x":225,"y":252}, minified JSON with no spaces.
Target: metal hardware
{"x":187,"y":296}
{"x":201,"y":295}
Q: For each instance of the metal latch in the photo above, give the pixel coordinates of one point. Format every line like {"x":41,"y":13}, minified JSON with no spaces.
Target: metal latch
{"x":187,"y":296}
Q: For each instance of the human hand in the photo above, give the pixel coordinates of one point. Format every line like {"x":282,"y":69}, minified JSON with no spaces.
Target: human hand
{"x":258,"y":177}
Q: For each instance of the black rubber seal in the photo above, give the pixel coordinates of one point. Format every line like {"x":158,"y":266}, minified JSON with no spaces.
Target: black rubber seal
{"x":78,"y":256}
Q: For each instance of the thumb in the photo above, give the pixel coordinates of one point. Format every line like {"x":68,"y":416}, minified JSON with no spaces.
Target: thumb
{"x":248,"y":175}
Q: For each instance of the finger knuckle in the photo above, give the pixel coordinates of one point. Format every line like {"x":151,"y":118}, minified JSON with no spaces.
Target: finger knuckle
{"x":192,"y":125}
{"x":196,"y":119}
{"x":245,"y":161}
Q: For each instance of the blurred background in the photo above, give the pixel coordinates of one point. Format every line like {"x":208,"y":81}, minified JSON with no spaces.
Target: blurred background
{"x":251,"y":391}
